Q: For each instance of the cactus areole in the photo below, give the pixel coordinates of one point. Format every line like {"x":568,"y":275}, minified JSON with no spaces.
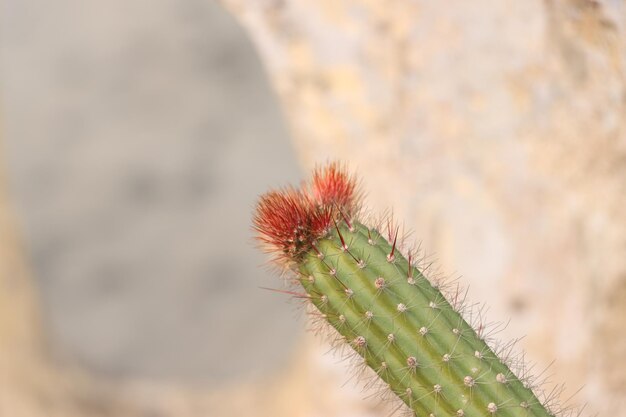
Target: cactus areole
{"x":381,"y":304}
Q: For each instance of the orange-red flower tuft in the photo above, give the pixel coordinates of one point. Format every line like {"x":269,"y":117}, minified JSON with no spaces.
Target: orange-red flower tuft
{"x":290,"y":220}
{"x":332,"y":185}
{"x":280,"y":219}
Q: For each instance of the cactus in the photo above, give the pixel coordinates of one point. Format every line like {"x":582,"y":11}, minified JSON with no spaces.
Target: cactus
{"x":382,"y":305}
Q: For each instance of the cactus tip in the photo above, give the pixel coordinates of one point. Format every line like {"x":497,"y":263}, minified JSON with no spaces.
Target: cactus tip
{"x":426,"y":344}
{"x":289,"y":221}
{"x":332,"y":185}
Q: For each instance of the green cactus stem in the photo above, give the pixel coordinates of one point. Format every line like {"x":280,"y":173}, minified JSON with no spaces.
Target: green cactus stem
{"x":384,"y":307}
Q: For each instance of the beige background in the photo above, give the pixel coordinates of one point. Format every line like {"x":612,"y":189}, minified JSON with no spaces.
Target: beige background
{"x":138,"y":135}
{"x":496,"y":131}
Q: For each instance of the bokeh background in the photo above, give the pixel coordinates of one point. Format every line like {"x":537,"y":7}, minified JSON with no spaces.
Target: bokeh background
{"x":136,"y":136}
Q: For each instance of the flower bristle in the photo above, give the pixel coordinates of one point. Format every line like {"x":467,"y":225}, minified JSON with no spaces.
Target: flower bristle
{"x":288,"y":221}
{"x":332,"y":185}
{"x":280,"y":220}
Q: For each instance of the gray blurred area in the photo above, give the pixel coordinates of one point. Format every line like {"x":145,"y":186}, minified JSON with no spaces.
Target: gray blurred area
{"x":138,"y":135}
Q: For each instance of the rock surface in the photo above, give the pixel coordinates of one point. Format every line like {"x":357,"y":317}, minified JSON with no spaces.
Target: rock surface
{"x":496,"y":131}
{"x":136,"y":148}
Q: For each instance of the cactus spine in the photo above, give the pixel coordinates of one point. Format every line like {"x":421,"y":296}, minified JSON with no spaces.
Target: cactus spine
{"x":383,"y":306}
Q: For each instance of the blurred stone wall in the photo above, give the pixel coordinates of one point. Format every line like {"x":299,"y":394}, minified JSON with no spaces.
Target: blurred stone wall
{"x":136,"y":137}
{"x":135,"y":150}
{"x":496,"y":131}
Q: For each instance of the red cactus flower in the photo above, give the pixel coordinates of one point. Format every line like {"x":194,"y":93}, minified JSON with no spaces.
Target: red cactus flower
{"x":290,"y":220}
{"x":281,"y":218}
{"x":332,"y":185}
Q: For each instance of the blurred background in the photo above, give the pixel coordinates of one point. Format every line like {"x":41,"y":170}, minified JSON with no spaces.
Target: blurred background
{"x":137,"y":135}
